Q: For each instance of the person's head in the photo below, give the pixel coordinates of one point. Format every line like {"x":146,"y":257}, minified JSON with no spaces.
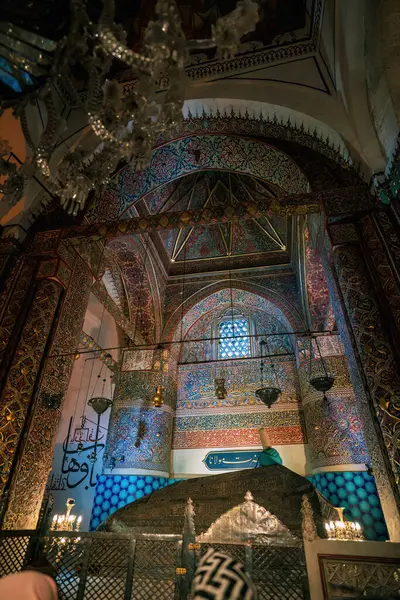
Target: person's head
{"x":28,"y":585}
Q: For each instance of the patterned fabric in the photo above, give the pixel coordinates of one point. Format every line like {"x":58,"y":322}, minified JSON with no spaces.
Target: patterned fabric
{"x":220,"y":577}
{"x":269,"y":456}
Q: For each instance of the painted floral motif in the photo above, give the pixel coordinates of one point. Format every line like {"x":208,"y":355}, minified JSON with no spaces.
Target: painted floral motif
{"x":317,"y":289}
{"x":183,"y":156}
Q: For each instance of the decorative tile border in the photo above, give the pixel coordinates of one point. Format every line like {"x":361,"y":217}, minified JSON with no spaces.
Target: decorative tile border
{"x":228,"y":438}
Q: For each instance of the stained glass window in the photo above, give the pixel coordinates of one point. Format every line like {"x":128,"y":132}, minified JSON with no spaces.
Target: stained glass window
{"x":230,"y":346}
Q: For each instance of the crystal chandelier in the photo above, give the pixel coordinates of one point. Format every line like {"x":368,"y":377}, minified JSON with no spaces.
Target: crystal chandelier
{"x":127,"y":127}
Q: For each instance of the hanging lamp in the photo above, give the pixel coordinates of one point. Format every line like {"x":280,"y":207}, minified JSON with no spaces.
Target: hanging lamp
{"x":220,"y":389}
{"x":267,"y":394}
{"x":321,"y":383}
{"x":99,"y":404}
{"x":219,"y":382}
{"x":158,"y":398}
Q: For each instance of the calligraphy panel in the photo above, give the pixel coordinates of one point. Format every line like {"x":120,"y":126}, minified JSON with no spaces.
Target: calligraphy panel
{"x":243,"y":459}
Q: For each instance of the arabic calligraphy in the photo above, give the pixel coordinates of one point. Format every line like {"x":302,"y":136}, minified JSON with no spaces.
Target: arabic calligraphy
{"x":85,"y":435}
{"x":78,"y":463}
{"x":246,"y":459}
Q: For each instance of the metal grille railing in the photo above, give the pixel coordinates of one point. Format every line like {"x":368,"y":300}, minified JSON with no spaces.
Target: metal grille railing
{"x":13,"y":550}
{"x":99,"y":565}
{"x":154,"y":569}
{"x":277,"y":572}
{"x":119,"y":567}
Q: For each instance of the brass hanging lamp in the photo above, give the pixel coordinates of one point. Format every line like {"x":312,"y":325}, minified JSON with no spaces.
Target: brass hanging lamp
{"x":158,"y":398}
{"x":99,"y":404}
{"x":324,"y":382}
{"x":220,"y":389}
{"x":267,"y":394}
{"x":219,"y":382}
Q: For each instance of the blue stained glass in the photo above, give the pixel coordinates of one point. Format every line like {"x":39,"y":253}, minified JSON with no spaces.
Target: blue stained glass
{"x":230,"y":346}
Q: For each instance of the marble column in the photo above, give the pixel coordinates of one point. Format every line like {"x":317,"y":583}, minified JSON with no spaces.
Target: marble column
{"x":140,"y":435}
{"x":334,"y":429}
{"x":372,"y":361}
{"x":38,"y":383}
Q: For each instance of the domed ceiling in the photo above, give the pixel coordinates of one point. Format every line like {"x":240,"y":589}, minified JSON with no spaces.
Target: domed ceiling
{"x":256,"y":242}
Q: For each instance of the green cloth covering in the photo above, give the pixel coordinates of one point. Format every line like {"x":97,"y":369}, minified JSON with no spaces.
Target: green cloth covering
{"x":270,"y":456}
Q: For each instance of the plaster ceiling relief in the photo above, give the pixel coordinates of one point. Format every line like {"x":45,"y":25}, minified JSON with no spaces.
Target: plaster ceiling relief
{"x":224,"y":245}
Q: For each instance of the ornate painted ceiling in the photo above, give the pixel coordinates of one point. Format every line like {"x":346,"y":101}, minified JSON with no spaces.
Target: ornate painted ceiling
{"x":198,"y":16}
{"x":259,"y":241}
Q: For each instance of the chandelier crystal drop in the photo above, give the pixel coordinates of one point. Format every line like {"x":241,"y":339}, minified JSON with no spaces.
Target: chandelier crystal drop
{"x":126,"y":127}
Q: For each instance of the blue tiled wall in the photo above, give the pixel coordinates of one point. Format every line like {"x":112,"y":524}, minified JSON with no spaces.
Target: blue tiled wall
{"x":115,"y":491}
{"x":356,"y":492}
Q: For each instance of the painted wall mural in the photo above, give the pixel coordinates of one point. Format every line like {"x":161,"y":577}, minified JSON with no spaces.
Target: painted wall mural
{"x":204,"y":421}
{"x":79,"y":451}
{"x":205,"y":328}
{"x":238,"y":429}
{"x":139,"y":291}
{"x":140,"y":438}
{"x":335,"y":432}
{"x":196,"y":385}
{"x":281,"y":308}
{"x":23,"y":372}
{"x":334,"y":427}
{"x":202,"y":152}
{"x":317,"y":288}
{"x":140,"y":434}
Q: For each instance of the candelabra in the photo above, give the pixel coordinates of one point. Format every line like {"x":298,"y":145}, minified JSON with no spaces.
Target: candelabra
{"x":66,"y":522}
{"x":343,"y":530}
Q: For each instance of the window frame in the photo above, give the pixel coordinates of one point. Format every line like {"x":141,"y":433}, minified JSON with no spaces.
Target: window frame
{"x":227,"y":316}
